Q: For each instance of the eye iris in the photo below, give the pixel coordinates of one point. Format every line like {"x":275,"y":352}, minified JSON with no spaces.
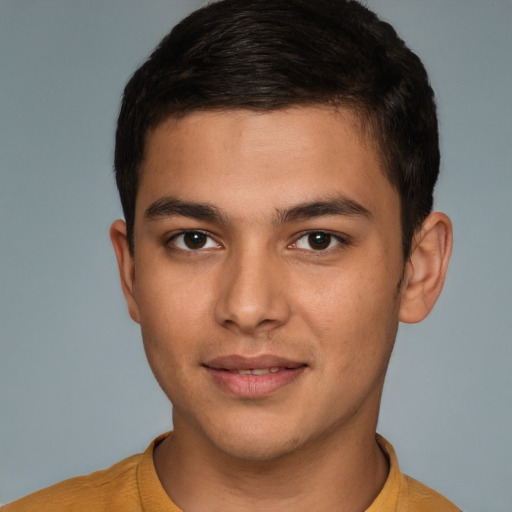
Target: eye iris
{"x":319,"y":240}
{"x":194,"y":240}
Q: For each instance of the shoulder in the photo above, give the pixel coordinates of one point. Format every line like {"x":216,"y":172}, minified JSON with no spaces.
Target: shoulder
{"x":401,"y":493}
{"x":108,"y":489}
{"x":425,"y":499}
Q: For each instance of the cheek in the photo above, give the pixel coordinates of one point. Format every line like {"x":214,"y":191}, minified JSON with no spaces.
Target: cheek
{"x":354,"y":314}
{"x":172,"y":320}
{"x":170,"y":300}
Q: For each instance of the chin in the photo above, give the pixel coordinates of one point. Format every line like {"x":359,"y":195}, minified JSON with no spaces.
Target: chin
{"x":252,"y":449}
{"x":259,"y":443}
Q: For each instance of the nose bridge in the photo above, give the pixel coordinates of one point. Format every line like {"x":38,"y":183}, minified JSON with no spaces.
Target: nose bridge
{"x":251,"y":298}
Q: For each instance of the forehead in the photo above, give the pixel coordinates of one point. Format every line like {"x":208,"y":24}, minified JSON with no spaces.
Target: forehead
{"x":281,"y":156}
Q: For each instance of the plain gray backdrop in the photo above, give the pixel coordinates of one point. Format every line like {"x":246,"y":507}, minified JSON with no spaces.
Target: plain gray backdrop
{"x":76,"y":393}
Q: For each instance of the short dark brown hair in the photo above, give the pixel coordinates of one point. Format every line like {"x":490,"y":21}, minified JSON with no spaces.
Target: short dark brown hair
{"x":273,"y":54}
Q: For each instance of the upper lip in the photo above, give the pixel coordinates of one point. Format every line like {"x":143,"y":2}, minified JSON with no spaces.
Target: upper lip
{"x":238,"y":362}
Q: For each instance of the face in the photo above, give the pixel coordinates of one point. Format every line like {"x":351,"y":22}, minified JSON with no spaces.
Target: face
{"x":266,"y":276}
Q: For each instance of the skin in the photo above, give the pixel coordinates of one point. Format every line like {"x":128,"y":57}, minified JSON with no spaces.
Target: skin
{"x":259,"y":286}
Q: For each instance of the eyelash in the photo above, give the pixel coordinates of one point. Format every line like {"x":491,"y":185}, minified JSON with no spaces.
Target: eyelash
{"x":171,"y":242}
{"x":331,"y":237}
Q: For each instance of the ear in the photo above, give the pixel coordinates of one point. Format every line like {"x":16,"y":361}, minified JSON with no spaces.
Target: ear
{"x":126,"y":266}
{"x":425,"y":271}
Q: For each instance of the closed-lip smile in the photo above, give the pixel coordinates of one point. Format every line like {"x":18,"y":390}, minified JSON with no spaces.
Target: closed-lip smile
{"x":253,"y":377}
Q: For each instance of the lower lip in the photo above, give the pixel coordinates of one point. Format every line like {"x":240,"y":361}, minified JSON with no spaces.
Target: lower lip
{"x":254,"y":386}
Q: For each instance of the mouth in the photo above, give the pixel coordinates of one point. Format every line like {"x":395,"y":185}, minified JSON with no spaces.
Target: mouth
{"x":253,"y":377}
{"x":257,"y":371}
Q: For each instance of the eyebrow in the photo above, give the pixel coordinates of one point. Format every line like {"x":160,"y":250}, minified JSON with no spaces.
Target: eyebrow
{"x":339,"y":205}
{"x":172,"y":207}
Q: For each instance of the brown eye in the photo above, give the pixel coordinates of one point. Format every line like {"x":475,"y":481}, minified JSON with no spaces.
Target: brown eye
{"x":194,"y":239}
{"x":319,"y":240}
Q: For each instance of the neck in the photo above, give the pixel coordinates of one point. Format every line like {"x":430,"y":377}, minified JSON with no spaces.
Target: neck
{"x":342,"y":473}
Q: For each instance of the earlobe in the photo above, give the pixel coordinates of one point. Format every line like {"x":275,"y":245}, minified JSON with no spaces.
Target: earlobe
{"x":426,"y":268}
{"x":126,"y":266}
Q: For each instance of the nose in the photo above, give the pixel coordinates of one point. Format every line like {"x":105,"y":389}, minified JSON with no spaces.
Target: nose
{"x":252,"y":297}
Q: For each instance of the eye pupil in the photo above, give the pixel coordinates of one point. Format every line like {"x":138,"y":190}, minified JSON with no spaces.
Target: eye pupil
{"x":194,"y":239}
{"x":319,"y":240}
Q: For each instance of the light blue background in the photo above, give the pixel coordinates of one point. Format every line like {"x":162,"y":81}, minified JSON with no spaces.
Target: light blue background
{"x":76,"y":393}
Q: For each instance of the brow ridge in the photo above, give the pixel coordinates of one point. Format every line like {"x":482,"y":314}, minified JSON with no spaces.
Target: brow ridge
{"x":339,"y":205}
{"x":169,"y":206}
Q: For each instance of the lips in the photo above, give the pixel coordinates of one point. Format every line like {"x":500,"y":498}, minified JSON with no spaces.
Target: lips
{"x":236,"y":362}
{"x":256,"y":371}
{"x":253,"y":377}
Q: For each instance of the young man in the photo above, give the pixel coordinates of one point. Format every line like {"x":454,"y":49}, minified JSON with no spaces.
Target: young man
{"x":276,"y":162}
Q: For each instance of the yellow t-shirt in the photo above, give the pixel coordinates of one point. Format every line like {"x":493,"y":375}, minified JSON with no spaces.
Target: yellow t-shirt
{"x":132,"y":485}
